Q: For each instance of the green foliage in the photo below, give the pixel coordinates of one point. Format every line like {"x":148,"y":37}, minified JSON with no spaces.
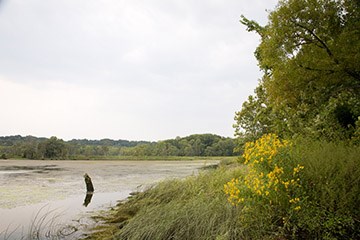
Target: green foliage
{"x":54,"y":148}
{"x":255,"y":118}
{"x":106,"y":142}
{"x":305,"y":189}
{"x":331,"y":181}
{"x":309,"y":53}
{"x":194,"y":208}
{"x":193,"y":145}
{"x":39,"y":148}
{"x":320,"y":203}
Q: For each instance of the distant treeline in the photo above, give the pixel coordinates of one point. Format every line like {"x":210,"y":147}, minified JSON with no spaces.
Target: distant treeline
{"x":31,"y":147}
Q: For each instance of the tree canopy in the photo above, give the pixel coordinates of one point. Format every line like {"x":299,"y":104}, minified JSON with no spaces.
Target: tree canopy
{"x":309,"y":54}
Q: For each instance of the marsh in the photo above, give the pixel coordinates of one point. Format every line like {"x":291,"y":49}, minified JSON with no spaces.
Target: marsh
{"x":38,"y":195}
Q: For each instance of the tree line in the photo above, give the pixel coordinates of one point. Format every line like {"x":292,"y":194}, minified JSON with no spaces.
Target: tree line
{"x":31,"y":147}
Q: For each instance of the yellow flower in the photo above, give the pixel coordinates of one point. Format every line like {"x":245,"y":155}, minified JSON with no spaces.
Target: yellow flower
{"x":267,"y":172}
{"x":294,"y":200}
{"x":297,"y":169}
{"x":286,"y":184}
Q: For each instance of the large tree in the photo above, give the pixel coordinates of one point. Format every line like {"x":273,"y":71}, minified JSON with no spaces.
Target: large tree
{"x":310,"y":56}
{"x":55,"y":148}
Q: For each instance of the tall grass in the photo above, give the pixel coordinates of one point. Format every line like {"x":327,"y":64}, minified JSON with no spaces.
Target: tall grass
{"x":331,"y":182}
{"x":302,"y":189}
{"x":194,"y":208}
{"x":46,"y":224}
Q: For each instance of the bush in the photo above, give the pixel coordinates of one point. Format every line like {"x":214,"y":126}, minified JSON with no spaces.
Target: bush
{"x":300,"y":190}
{"x":331,"y":181}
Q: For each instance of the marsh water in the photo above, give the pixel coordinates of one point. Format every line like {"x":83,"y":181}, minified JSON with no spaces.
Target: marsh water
{"x":48,"y":199}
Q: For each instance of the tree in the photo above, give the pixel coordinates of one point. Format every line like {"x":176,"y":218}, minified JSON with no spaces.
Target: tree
{"x":55,"y":148}
{"x":30,"y":150}
{"x":255,"y":118}
{"x":309,"y":54}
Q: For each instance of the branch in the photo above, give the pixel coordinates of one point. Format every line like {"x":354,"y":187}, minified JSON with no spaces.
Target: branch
{"x":350,"y":72}
{"x":353,"y":74}
{"x":323,"y":44}
{"x":316,"y":69}
{"x":252,"y":26}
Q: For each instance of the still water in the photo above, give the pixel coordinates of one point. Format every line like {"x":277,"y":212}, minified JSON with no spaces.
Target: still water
{"x":47,"y":199}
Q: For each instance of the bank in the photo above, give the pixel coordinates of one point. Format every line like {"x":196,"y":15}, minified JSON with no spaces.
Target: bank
{"x":320,"y":203}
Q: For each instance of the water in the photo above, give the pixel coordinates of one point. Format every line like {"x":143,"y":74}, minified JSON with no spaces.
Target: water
{"x":49,"y":198}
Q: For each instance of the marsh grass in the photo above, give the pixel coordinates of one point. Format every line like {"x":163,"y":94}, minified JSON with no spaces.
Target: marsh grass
{"x":197,"y":207}
{"x":46,"y":224}
{"x":194,"y":208}
{"x":331,"y":182}
{"x":8,"y":233}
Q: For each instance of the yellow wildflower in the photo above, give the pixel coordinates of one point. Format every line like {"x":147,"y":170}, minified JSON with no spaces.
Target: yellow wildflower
{"x":297,"y":208}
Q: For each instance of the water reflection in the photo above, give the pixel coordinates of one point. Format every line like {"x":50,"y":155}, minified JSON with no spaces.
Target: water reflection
{"x":87,"y":199}
{"x":27,"y":185}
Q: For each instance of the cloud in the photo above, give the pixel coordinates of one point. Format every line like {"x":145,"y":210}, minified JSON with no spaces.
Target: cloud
{"x":135,"y":69}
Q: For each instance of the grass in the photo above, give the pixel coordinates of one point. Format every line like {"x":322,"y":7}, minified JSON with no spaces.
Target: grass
{"x":331,"y":183}
{"x":322,"y":203}
{"x":46,"y":224}
{"x":194,"y":208}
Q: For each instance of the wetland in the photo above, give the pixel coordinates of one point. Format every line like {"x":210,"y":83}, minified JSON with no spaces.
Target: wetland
{"x":45,"y":198}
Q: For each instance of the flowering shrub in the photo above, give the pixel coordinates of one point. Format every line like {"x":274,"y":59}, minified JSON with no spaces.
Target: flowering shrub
{"x":303,"y":189}
{"x":271,"y":178}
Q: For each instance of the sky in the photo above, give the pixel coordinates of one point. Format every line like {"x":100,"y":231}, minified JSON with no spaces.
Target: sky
{"x":135,"y":70}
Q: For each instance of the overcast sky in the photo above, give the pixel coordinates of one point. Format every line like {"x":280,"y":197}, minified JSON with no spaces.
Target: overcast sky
{"x":135,"y":69}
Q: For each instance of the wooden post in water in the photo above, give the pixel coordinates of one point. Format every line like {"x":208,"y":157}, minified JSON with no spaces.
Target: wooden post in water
{"x":89,"y":185}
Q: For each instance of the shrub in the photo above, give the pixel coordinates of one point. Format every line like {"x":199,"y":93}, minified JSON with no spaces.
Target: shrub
{"x":303,"y":189}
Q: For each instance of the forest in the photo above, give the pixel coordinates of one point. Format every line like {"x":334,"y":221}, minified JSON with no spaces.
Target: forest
{"x":31,"y":147}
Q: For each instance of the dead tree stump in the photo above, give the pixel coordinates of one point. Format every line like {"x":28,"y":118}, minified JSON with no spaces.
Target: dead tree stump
{"x":89,"y":185}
